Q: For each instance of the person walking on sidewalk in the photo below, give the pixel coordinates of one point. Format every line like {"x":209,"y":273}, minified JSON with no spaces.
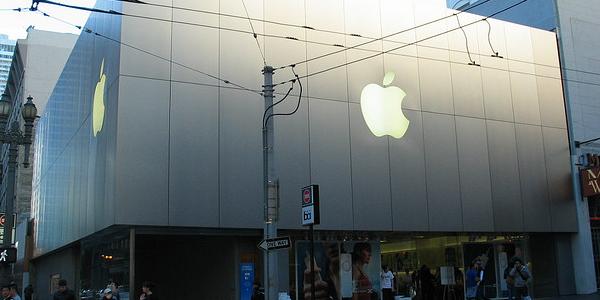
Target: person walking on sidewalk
{"x":387,"y":278}
{"x":13,"y":292}
{"x":6,"y":293}
{"x":63,"y":293}
{"x":147,"y":293}
{"x":472,"y":282}
{"x":520,"y":273}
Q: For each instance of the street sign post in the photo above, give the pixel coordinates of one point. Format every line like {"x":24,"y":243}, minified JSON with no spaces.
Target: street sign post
{"x":276,"y":243}
{"x":311,"y":216}
{"x":310,"y":205}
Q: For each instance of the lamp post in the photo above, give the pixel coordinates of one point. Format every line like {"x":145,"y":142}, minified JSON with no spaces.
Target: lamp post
{"x":13,"y":137}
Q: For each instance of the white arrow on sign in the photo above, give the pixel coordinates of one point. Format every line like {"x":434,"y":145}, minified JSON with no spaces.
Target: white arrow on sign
{"x":275,"y":243}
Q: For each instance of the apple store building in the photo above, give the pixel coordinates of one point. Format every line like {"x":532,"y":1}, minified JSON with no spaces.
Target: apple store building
{"x":437,"y":139}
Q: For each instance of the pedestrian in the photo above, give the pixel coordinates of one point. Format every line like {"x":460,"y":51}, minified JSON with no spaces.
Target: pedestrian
{"x":407,"y":283}
{"x":107,"y":294}
{"x":510,"y":282}
{"x":13,"y":292}
{"x":426,"y":283}
{"x":387,"y":278}
{"x":114,"y":287}
{"x":521,"y":275}
{"x":258,"y":293}
{"x":472,"y":282}
{"x":6,"y":293}
{"x":63,"y":293}
{"x":28,"y":292}
{"x":147,"y":291}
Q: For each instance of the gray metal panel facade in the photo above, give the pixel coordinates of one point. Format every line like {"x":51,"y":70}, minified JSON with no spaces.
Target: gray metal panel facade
{"x":467,"y":91}
{"x":199,"y":163}
{"x":143,"y":162}
{"x":504,"y":170}
{"x":475,"y":182}
{"x":370,"y":175}
{"x":497,"y":95}
{"x":292,"y":155}
{"x":441,"y":164}
{"x":532,"y":171}
{"x":240,"y":159}
{"x":331,"y":162}
{"x":436,"y":86}
{"x":194,"y":155}
{"x":525,"y":98}
{"x":562,"y":207}
{"x":463,"y":169}
{"x":408,"y":178}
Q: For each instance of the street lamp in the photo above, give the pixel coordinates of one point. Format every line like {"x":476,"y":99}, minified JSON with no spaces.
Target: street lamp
{"x":13,"y":137}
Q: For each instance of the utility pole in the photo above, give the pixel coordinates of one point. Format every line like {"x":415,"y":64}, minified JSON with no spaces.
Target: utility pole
{"x":270,"y":189}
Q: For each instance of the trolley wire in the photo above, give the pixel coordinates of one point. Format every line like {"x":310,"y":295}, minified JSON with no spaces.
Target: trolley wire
{"x":322,"y":71}
{"x":297,"y":39}
{"x":254,"y":33}
{"x":19,"y":9}
{"x":406,"y":45}
{"x":386,"y":36}
{"x":90,"y":31}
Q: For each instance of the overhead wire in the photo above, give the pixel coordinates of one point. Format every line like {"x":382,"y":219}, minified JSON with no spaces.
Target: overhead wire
{"x":88,"y":30}
{"x":322,"y":71}
{"x":386,"y":36}
{"x":35,"y":4}
{"x":271,"y":21}
{"x":471,"y":60}
{"x":297,"y":104}
{"x":287,"y":37}
{"x":489,"y":38}
{"x":315,"y":29}
{"x":254,"y":33}
{"x":19,"y":9}
{"x":406,"y":45}
{"x":264,"y":122}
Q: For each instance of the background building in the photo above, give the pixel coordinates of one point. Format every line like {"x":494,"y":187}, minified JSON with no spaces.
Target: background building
{"x":146,"y":168}
{"x":7,"y":48}
{"x":535,"y":13}
{"x":34,"y":70}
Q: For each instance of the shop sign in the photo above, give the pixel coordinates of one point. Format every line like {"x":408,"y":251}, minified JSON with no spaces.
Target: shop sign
{"x":590,"y":185}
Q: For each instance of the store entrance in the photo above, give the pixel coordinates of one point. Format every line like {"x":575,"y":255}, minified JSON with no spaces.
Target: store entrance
{"x":432,"y":268}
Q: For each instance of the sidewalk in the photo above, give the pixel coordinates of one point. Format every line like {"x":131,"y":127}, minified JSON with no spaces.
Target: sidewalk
{"x":573,"y":297}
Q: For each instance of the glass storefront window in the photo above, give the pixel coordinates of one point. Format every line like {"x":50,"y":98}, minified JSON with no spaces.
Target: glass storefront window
{"x":105,"y":264}
{"x":430,"y":264}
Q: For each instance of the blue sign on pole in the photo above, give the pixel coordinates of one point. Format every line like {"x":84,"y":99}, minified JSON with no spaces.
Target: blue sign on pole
{"x":246,"y":280}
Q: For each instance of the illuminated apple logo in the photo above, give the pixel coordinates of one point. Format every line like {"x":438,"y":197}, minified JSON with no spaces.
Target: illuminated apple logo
{"x":98,"y":108}
{"x":382,"y":108}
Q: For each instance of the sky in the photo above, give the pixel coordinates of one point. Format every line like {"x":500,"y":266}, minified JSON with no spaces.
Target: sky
{"x":14,"y":24}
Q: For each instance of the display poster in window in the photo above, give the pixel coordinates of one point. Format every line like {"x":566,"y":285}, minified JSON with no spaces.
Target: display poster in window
{"x":343,"y":270}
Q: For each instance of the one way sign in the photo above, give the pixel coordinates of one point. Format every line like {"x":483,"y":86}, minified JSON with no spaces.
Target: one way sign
{"x":275,"y":243}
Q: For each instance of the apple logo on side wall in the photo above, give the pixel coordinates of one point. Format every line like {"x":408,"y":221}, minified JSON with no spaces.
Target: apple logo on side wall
{"x":98,"y":105}
{"x":382,"y":108}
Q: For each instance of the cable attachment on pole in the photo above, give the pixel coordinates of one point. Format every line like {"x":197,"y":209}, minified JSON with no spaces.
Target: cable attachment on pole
{"x":495,"y":53}
{"x":471,"y":60}
{"x":34,"y":5}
